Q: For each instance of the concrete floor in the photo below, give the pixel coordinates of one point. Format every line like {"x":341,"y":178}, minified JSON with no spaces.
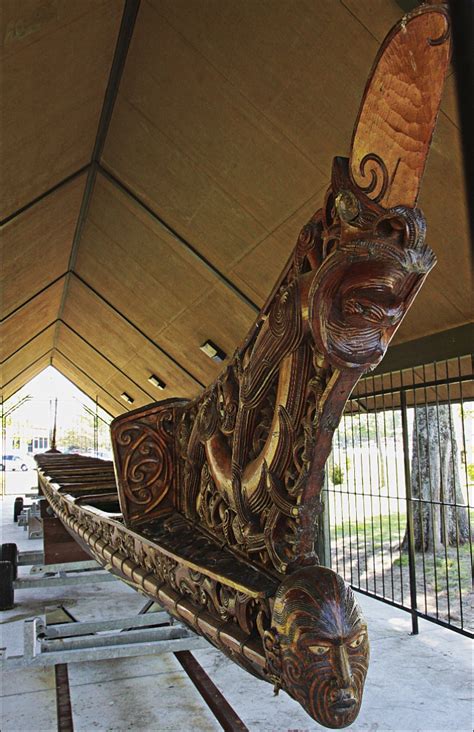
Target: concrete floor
{"x":415,"y":683}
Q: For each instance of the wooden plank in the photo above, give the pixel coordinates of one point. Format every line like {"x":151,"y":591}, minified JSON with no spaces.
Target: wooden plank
{"x":102,"y":370}
{"x":86,"y":385}
{"x":291,"y":60}
{"x":27,"y":355}
{"x":260,"y":268}
{"x":54,"y":81}
{"x":151,"y":282}
{"x":58,"y":544}
{"x":26,"y":22}
{"x":35,"y":246}
{"x":378,"y":16}
{"x":23,"y":377}
{"x":218,"y":316}
{"x":121,"y":343}
{"x":227,"y":175}
{"x":30,"y":319}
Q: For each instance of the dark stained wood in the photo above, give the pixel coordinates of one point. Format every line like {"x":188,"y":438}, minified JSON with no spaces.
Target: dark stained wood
{"x":220,"y":495}
{"x":58,"y":544}
{"x":218,"y":704}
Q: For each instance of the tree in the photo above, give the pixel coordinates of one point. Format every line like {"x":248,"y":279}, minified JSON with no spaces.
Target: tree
{"x":440,"y":517}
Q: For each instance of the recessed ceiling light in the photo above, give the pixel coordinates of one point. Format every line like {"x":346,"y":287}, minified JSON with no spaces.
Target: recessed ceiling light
{"x":127,"y":398}
{"x":213,"y":351}
{"x":156,"y":381}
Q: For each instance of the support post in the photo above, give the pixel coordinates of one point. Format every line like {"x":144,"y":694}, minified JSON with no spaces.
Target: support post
{"x":409,"y":501}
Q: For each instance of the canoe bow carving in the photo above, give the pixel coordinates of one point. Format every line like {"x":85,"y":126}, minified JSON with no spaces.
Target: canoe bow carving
{"x":220,"y":496}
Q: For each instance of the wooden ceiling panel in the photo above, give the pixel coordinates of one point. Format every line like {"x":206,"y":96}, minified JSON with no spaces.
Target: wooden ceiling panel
{"x":26,"y":22}
{"x":24,"y":377}
{"x":300,"y":64}
{"x":110,"y":334}
{"x":258,"y":271}
{"x":449,"y":104}
{"x":36,"y":349}
{"x":90,"y":361}
{"x":208,"y":136}
{"x":144,"y":270}
{"x":444,"y":301}
{"x":375,"y":15}
{"x":55,"y":77}
{"x":226,"y":122}
{"x":219,"y":316}
{"x":87,"y":385}
{"x":30,"y":319}
{"x":35,"y":246}
{"x":188,"y":200}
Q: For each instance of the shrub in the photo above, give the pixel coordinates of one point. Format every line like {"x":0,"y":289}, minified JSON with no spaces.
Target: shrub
{"x":337,"y":475}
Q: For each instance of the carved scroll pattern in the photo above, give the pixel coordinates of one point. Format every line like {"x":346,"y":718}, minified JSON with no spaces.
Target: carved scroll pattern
{"x":250,"y":616}
{"x":254,"y":446}
{"x":144,"y":458}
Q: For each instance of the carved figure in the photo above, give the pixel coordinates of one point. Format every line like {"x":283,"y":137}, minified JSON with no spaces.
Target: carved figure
{"x":318,"y":646}
{"x":220,"y":496}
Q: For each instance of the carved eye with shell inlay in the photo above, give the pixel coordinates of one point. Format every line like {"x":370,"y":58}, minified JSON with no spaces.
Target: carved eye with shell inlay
{"x":319,"y":650}
{"x":358,"y":641}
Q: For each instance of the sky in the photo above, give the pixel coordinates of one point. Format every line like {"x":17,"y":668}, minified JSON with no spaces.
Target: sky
{"x":42,"y":390}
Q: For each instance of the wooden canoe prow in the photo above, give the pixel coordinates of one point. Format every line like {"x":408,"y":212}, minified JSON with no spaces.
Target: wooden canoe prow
{"x":218,"y":499}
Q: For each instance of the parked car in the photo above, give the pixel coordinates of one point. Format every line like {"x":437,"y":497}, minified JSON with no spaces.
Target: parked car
{"x":13,"y":462}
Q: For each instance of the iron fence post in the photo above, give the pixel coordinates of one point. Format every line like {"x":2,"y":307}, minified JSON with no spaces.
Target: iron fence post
{"x":409,"y":501}
{"x":4,"y":449}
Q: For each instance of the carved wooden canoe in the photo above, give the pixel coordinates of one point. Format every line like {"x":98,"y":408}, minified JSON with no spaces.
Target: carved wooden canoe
{"x":213,"y":504}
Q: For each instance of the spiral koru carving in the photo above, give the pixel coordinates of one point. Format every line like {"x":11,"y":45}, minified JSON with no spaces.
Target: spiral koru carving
{"x":375,"y":172}
{"x":147,"y":471}
{"x":446,"y":33}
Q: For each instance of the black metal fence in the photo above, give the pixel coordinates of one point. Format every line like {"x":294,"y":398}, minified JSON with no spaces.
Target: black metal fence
{"x":398,"y":495}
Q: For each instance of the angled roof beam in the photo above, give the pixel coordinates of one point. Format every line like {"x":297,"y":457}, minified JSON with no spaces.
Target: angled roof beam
{"x":201,"y":259}
{"x":29,"y":299}
{"x":26,"y":343}
{"x":78,"y":368}
{"x":135,"y":327}
{"x":101,"y":355}
{"x":47,"y":193}
{"x":43,"y":355}
{"x":81,"y":389}
{"x":121,"y":49}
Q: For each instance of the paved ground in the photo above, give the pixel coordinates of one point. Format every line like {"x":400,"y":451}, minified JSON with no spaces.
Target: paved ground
{"x":416,"y":683}
{"x":17,"y":482}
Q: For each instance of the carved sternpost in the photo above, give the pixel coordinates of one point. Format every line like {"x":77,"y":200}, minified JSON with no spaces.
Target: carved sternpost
{"x":240,"y":470}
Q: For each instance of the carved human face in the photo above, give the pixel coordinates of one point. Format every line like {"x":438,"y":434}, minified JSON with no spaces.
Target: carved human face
{"x":365,"y":286}
{"x":323,"y":645}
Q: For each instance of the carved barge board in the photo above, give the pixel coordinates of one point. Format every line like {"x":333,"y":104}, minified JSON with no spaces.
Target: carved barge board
{"x":220,"y":497}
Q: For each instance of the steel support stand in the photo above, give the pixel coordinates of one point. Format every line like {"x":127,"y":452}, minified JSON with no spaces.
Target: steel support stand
{"x":48,"y":645}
